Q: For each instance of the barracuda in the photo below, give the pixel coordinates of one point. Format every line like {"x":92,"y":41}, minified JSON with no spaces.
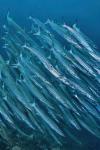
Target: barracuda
{"x":47,"y":88}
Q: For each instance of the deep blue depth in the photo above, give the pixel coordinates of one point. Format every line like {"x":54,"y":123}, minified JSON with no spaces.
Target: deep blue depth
{"x":86,"y":13}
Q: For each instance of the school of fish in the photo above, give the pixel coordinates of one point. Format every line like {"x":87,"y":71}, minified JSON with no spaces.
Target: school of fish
{"x":49,"y":82}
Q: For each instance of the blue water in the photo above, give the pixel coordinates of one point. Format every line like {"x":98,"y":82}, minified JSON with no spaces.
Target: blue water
{"x":85,"y":12}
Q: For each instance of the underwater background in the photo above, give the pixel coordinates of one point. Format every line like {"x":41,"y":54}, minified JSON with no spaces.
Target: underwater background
{"x":85,"y":13}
